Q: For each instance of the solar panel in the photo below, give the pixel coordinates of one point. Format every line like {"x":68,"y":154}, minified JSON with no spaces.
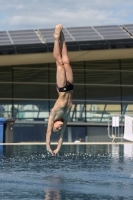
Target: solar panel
{"x":106,"y":27}
{"x":21,"y":31}
{"x":68,"y":36}
{"x":112,"y":32}
{"x":5,"y":42}
{"x":128,"y":25}
{"x":4,"y":39}
{"x":129,"y":28}
{"x":47,"y":30}
{"x":84,"y":33}
{"x":47,"y":34}
{"x":131,"y":31}
{"x":72,"y":31}
{"x":79,"y":28}
{"x":48,"y":37}
{"x":26,"y":42}
{"x":24,"y":37}
{"x":23,"y":34}
{"x":116,"y":37}
{"x":68,"y":39}
{"x":3,"y":33}
{"x":47,"y":40}
{"x":87,"y":38}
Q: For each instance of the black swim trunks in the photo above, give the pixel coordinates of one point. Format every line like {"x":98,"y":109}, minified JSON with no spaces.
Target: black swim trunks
{"x":66,"y":88}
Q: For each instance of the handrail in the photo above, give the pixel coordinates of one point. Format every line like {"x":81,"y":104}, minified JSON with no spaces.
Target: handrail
{"x":78,"y":123}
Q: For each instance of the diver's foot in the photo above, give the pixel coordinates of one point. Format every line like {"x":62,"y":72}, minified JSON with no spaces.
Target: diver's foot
{"x":58,"y":29}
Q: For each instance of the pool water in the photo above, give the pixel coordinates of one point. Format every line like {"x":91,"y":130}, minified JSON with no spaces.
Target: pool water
{"x":78,"y":172}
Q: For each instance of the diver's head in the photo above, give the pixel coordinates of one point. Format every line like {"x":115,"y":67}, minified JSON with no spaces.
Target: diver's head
{"x":57,"y":126}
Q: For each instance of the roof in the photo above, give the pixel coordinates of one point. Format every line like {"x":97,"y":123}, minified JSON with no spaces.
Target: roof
{"x":77,"y":39}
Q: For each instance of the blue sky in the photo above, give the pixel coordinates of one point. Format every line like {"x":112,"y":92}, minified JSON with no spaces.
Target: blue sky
{"x":33,"y":14}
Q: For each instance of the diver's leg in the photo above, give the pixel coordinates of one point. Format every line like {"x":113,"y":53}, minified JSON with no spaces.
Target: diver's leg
{"x":65,"y":59}
{"x":60,"y":72}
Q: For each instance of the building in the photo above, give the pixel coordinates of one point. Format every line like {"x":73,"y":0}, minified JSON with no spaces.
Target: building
{"x":102,"y":62}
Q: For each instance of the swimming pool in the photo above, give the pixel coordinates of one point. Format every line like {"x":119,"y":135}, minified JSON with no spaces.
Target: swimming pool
{"x":79,"y":172}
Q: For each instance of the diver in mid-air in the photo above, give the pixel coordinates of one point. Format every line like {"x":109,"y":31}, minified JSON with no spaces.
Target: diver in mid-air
{"x":64,"y":79}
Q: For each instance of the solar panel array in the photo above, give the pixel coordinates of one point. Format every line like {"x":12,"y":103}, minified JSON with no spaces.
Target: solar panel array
{"x":112,"y":32}
{"x":84,"y":33}
{"x":24,"y":37}
{"x":47,"y":34}
{"x":129,"y":27}
{"x":4,"y":38}
{"x":71,"y":34}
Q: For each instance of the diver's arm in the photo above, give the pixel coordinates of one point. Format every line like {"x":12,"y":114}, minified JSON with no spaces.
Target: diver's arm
{"x":48,"y":133}
{"x":60,"y":138}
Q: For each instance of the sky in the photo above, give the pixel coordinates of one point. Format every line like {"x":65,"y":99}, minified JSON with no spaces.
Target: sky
{"x":34,"y":14}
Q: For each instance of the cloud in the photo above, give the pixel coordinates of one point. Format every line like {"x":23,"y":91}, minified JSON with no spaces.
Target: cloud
{"x":43,"y":14}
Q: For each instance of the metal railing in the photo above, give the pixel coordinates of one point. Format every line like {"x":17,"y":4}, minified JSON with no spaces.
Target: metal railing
{"x":116,"y":127}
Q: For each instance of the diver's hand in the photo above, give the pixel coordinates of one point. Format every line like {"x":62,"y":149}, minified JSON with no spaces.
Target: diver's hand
{"x":55,"y":151}
{"x":50,"y":151}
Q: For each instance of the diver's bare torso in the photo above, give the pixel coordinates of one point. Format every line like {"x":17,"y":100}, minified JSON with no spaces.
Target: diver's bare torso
{"x":62,"y":106}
